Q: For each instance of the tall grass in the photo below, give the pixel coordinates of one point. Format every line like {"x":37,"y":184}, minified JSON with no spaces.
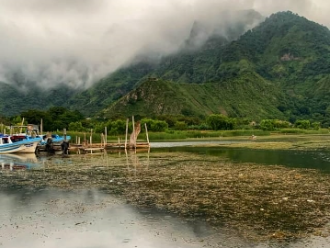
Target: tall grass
{"x":302,"y":131}
{"x":191,"y":134}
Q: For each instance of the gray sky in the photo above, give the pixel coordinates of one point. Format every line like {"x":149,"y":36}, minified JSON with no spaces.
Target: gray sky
{"x":80,"y":41}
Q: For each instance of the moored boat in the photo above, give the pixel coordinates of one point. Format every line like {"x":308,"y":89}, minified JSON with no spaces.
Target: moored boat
{"x":55,"y":139}
{"x":8,"y":146}
{"x":31,"y":142}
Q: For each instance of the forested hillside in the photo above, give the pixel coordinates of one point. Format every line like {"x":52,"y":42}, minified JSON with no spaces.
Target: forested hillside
{"x":194,"y":63}
{"x":278,"y":69}
{"x":248,"y":96}
{"x":289,"y":52}
{"x":15,"y":100}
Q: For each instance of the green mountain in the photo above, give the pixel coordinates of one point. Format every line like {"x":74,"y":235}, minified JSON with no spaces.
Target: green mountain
{"x":247,"y":95}
{"x":14,"y":100}
{"x":287,"y":51}
{"x":278,"y":69}
{"x":194,"y":63}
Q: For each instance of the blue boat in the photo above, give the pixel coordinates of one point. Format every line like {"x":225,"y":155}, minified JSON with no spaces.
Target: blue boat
{"x":55,"y":139}
{"x":29,"y":147}
{"x":9,"y":144}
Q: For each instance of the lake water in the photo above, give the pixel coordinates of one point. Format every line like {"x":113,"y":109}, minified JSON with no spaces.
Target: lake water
{"x":53,"y":217}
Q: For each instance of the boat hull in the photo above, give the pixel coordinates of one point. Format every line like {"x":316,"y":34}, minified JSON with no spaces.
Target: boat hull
{"x":30,"y":147}
{"x":11,"y":148}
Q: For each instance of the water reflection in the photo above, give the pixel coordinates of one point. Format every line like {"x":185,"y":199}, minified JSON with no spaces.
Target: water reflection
{"x":18,"y":161}
{"x":289,"y":158}
{"x":87,"y":218}
{"x":193,"y":143}
{"x":51,"y":218}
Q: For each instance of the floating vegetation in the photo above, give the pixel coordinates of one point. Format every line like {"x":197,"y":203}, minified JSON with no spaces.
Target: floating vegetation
{"x":284,"y":142}
{"x":260,"y":202}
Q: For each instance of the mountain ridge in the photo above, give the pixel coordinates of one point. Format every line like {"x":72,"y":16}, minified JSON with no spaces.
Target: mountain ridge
{"x":287,"y":53}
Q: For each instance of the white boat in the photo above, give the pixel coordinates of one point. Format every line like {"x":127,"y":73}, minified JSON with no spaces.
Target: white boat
{"x":32,"y":142}
{"x":24,"y":144}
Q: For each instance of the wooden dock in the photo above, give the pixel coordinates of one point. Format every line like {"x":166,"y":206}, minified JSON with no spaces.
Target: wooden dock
{"x":90,"y":150}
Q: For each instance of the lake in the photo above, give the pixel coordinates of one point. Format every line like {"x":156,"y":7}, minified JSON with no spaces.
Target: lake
{"x":168,"y":197}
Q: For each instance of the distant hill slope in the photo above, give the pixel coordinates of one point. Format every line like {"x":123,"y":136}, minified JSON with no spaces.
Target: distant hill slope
{"x":247,"y":95}
{"x":289,"y":51}
{"x":278,"y":69}
{"x":14,"y":101}
{"x":192,"y":64}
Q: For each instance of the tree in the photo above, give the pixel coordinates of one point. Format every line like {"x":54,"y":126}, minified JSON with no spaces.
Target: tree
{"x":219,"y":122}
{"x":303,"y":124}
{"x":267,"y":125}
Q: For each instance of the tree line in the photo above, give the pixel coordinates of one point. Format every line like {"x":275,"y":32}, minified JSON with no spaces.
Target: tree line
{"x":58,"y":118}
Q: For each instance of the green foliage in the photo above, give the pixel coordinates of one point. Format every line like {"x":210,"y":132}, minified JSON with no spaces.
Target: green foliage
{"x":267,"y":125}
{"x":281,"y":124}
{"x":303,"y":124}
{"x":76,"y":126}
{"x":116,"y":127}
{"x":316,"y":125}
{"x":219,"y":122}
{"x":155,"y":125}
{"x":56,"y":118}
{"x":180,"y":125}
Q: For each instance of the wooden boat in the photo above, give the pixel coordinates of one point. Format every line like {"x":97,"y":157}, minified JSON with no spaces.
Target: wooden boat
{"x":32,"y":130}
{"x":55,"y":138}
{"x":29,"y":147}
{"x":24,"y":144}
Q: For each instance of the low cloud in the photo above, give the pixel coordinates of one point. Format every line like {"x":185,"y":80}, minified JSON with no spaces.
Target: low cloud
{"x":77,"y":42}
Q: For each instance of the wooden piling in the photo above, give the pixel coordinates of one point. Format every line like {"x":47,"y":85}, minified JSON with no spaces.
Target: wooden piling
{"x":145,"y":126}
{"x":106,"y":136}
{"x":41,"y":126}
{"x":90,"y":140}
{"x":133,"y":124}
{"x":126,"y":133}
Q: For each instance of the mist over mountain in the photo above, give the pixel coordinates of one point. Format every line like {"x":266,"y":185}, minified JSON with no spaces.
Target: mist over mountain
{"x":79,"y":42}
{"x":271,"y":71}
{"x":253,"y":67}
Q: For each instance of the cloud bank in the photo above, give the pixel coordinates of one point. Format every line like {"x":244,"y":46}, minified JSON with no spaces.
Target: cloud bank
{"x":77,"y":42}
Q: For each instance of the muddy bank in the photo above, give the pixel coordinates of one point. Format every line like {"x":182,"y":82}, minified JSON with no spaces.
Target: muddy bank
{"x":260,"y":203}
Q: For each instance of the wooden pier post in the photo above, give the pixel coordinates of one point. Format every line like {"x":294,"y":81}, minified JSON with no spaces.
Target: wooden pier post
{"x":91,"y":140}
{"x":41,"y":126}
{"x":106,"y":136}
{"x":102,"y":140}
{"x":21,"y":128}
{"x":126,"y":133}
{"x":145,"y":126}
{"x":133,"y":124}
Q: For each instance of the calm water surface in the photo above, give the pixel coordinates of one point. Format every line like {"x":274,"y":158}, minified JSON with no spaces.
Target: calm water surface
{"x":319,"y":159}
{"x":91,"y":219}
{"x":52,"y":218}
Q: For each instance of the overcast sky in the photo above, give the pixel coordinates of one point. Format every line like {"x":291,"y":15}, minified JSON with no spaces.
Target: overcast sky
{"x":80,"y":41}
